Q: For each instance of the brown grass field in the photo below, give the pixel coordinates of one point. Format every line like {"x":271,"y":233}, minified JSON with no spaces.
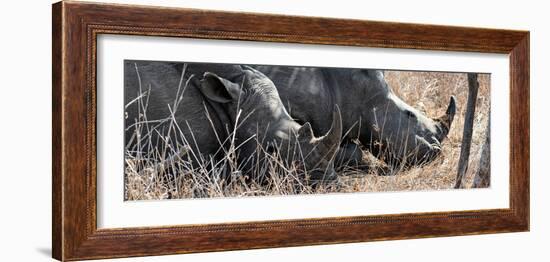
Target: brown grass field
{"x":428,"y":92}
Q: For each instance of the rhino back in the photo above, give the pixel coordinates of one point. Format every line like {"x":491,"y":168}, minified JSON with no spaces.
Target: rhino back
{"x":304,"y":94}
{"x":310,"y":94}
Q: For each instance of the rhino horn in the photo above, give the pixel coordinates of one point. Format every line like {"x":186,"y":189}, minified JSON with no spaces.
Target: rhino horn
{"x":446,"y":120}
{"x":331,"y":140}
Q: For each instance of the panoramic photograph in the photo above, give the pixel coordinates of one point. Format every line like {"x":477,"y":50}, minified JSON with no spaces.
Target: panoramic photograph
{"x":209,"y":130}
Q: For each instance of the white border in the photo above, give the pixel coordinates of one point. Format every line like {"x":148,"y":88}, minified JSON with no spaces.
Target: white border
{"x":113,"y":212}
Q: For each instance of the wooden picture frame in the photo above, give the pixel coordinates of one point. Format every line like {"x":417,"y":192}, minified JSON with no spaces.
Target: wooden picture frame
{"x":76,"y":26}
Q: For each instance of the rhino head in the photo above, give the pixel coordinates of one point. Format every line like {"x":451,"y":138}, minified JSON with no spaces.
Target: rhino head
{"x":259,"y":118}
{"x":395,"y":131}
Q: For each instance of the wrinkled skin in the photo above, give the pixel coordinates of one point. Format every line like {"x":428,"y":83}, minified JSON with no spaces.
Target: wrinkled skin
{"x":391,"y":129}
{"x":218,"y":100}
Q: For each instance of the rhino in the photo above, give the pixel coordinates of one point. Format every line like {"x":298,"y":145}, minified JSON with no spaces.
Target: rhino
{"x":215,"y":110}
{"x":371,"y":113}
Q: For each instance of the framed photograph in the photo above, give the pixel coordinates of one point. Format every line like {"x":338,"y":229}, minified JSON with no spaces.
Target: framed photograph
{"x":182,"y":130}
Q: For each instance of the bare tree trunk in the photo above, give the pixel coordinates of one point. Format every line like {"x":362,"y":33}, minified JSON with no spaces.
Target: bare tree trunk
{"x":483,"y":175}
{"x":473,"y":86}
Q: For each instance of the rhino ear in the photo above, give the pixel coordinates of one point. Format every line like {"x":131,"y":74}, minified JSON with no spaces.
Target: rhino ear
{"x":218,"y":89}
{"x":305,"y":131}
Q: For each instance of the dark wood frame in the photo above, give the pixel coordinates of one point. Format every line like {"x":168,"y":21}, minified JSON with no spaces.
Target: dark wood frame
{"x":76,"y":26}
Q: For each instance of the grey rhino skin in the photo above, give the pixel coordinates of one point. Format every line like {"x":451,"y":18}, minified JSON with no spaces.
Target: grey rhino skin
{"x":388,"y":127}
{"x":216,"y":99}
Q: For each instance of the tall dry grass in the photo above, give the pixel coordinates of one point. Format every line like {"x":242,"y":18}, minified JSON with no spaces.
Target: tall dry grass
{"x":167,"y":174}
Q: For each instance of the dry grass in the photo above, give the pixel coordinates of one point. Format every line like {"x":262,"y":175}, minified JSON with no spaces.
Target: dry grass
{"x":427,"y":91}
